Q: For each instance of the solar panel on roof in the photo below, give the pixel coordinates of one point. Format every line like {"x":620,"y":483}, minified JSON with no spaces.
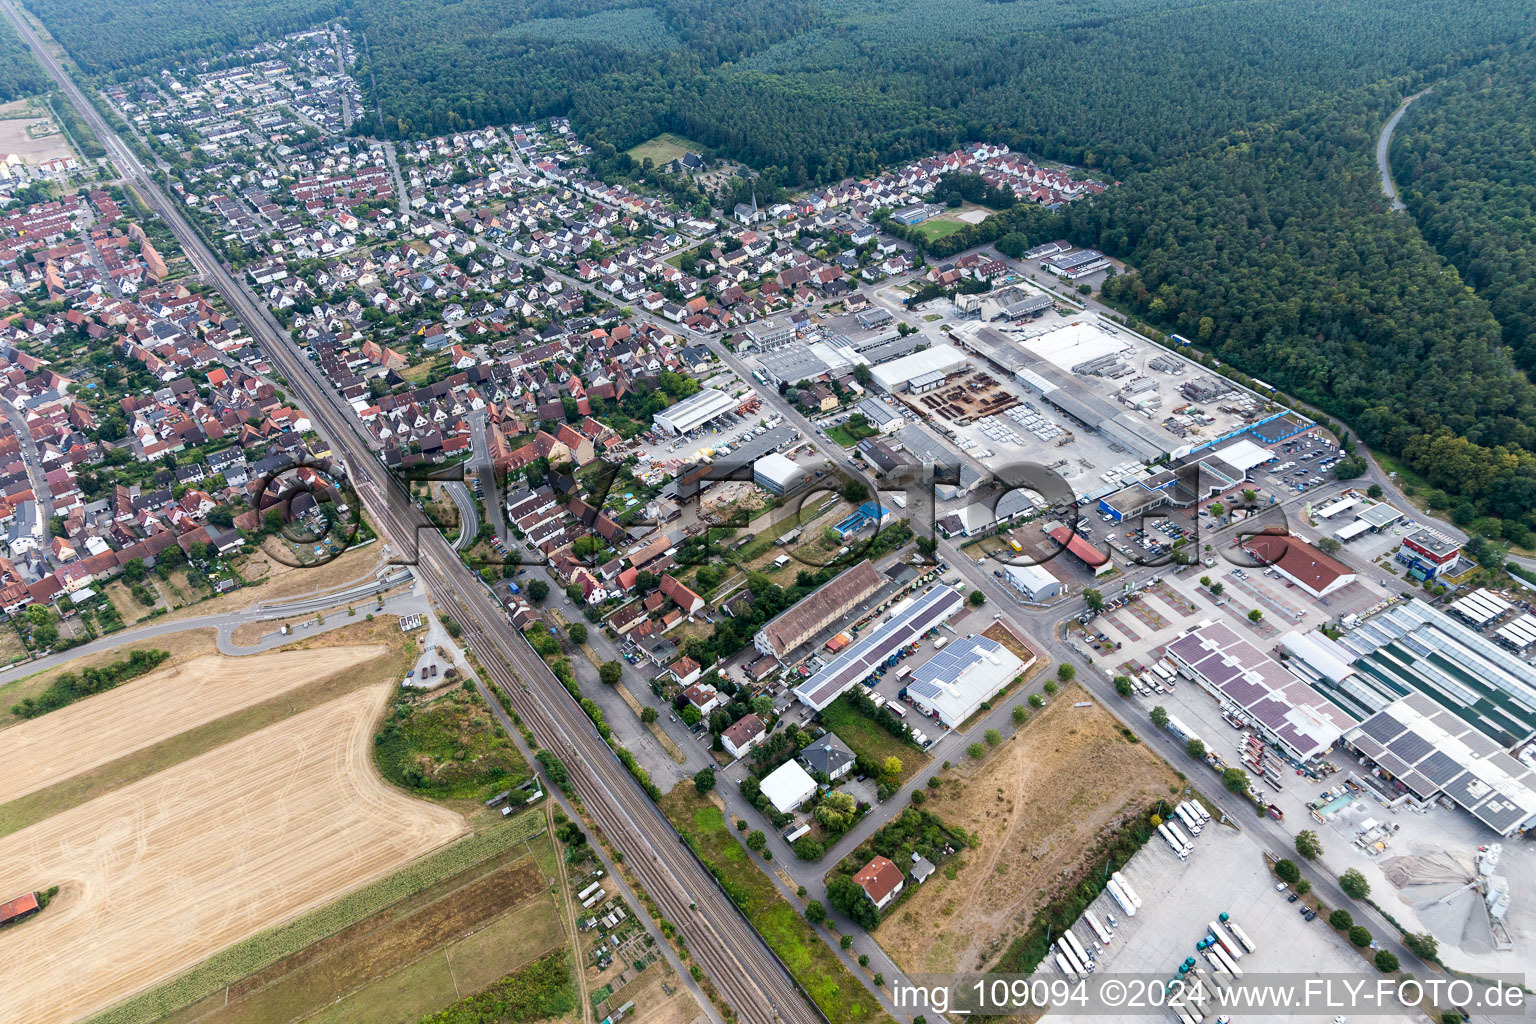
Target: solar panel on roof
{"x":925,"y":689}
{"x":1500,"y":814}
{"x":1439,"y":767}
{"x":1411,"y":747}
{"x":1381,"y":727}
{"x":1392,"y":763}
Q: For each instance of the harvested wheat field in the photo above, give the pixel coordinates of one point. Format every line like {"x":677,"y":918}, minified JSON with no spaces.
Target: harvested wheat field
{"x":1037,"y":803}
{"x":172,"y":699}
{"x":164,"y":872}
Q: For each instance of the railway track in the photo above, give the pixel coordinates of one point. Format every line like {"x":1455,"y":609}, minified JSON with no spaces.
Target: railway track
{"x":748,"y":974}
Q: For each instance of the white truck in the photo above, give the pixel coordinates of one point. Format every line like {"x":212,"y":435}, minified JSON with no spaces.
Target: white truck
{"x":1125,"y":886}
{"x":1066,"y":968}
{"x":1189,"y":818}
{"x":1200,"y":811}
{"x":1178,"y":834}
{"x":1239,"y":934}
{"x":1121,"y":898}
{"x":1078,"y":967}
{"x":1173,"y":844}
{"x":1102,"y":932}
{"x":1226,"y":940}
{"x":1077,"y":947}
{"x":1219,"y":955}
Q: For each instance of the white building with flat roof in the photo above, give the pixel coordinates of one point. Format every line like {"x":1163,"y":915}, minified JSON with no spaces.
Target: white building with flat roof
{"x":694,"y":411}
{"x":952,"y":685}
{"x":788,"y":786}
{"x":894,"y":375}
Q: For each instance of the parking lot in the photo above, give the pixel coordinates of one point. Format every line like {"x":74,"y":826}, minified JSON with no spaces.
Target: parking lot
{"x":1225,"y":873}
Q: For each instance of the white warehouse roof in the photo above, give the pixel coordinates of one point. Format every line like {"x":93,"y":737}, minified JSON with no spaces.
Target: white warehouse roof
{"x":694,"y":411}
{"x":955,"y":681}
{"x":778,"y":470}
{"x":894,"y":375}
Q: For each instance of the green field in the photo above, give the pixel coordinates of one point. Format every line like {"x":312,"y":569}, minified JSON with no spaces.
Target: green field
{"x":839,"y":994}
{"x":665,"y":148}
{"x":869,"y":741}
{"x":938,"y":228}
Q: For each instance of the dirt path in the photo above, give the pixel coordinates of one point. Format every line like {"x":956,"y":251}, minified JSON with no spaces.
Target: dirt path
{"x":1384,"y":151}
{"x":162,"y":873}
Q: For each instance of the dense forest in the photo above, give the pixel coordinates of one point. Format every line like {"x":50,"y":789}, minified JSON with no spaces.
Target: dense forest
{"x":1465,"y":158}
{"x":122,"y":37}
{"x":20,"y":75}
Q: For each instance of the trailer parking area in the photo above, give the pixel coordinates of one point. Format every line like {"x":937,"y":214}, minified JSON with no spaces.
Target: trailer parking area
{"x":1226,"y":873}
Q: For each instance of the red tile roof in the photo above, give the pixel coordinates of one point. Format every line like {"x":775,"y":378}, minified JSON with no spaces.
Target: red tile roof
{"x":879,"y":878}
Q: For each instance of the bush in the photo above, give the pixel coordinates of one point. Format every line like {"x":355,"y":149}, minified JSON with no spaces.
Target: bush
{"x":815,"y":912}
{"x":1287,"y":871}
{"x":1386,"y":963}
{"x":993,"y":737}
{"x":1308,"y":845}
{"x":1354,"y":885}
{"x":1360,"y":936}
{"x":1036,"y":701}
{"x":977,"y":751}
{"x":1341,"y":920}
{"x":1050,"y":687}
{"x":978,"y":598}
{"x":1124,"y":687}
{"x":1066,"y":673}
{"x":704,"y":780}
{"x":1423,"y":945}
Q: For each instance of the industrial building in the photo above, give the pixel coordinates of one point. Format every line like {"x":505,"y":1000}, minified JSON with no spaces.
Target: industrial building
{"x":767,"y":335}
{"x":1033,"y":582}
{"x":1411,"y":647}
{"x":778,"y":473}
{"x":952,"y":685}
{"x":868,"y":514}
{"x":1426,"y":752}
{"x":897,"y":374}
{"x":907,"y":622}
{"x":823,"y":607}
{"x":694,"y":411}
{"x":1428,"y":553}
{"x":1283,"y":709}
{"x":1296,"y":560}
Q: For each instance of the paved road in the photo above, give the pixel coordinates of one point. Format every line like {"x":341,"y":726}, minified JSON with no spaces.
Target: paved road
{"x":756,"y":984}
{"x":227,"y":622}
{"x":35,"y":476}
{"x":1384,"y":151}
{"x":469,"y":519}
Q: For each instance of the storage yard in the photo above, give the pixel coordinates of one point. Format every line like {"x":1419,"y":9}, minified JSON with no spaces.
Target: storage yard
{"x":1180,"y":900}
{"x":164,"y":872}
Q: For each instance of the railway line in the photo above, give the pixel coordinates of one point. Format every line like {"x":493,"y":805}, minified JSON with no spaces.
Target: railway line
{"x":739,"y":963}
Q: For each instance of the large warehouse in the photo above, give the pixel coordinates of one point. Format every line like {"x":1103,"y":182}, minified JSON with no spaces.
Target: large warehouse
{"x":694,"y":411}
{"x":1414,"y":647}
{"x":954,"y":683}
{"x":940,"y":359}
{"x":821,"y":608}
{"x":907,"y":623}
{"x":1426,"y":751}
{"x":778,"y":473}
{"x":1284,"y":710}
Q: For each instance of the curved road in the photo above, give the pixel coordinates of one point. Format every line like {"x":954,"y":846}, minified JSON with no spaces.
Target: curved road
{"x":1384,"y":146}
{"x":226,"y":623}
{"x":469,"y":519}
